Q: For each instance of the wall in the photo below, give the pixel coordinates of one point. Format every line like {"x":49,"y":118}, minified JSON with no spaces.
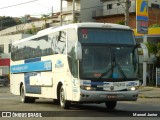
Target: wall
{"x":5,"y":62}
{"x":154,"y":18}
{"x":88,"y":7}
{"x":22,"y":27}
{"x":153,"y":2}
{"x":6,"y":40}
{"x":118,"y":18}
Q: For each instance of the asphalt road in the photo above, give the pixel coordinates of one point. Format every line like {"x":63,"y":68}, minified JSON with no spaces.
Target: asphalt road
{"x":48,"y":110}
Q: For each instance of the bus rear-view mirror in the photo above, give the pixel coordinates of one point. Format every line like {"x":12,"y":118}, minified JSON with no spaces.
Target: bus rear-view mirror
{"x":78,"y":50}
{"x":143,"y":51}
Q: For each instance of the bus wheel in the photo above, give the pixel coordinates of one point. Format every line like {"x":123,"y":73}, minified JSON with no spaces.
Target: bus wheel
{"x":56,"y":101}
{"x":31,"y":99}
{"x":111,"y":104}
{"x":63,"y":102}
{"x":24,"y":99}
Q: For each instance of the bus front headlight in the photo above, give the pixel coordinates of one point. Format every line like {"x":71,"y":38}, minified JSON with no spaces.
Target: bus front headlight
{"x":132,"y":88}
{"x":89,"y":88}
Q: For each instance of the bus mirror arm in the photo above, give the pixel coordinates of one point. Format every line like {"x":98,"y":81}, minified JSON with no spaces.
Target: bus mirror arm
{"x":145,"y":51}
{"x":78,"y":50}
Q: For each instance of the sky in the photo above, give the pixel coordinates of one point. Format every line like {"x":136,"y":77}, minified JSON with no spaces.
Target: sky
{"x":20,"y":8}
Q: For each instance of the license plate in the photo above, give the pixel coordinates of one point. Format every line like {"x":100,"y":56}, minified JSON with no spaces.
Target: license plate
{"x":111,"y":96}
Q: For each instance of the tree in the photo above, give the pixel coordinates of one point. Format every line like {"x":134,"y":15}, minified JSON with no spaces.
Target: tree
{"x":154,"y":52}
{"x":45,"y":17}
{"x":121,"y":22}
{"x":33,"y":30}
{"x":6,"y":22}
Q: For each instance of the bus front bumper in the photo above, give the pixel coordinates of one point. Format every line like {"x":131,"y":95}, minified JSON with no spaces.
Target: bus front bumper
{"x":102,"y":96}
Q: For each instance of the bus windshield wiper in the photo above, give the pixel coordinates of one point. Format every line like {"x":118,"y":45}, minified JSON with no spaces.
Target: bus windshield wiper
{"x":113,"y":65}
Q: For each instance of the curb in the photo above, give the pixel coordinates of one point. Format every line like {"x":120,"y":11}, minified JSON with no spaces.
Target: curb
{"x":141,"y":96}
{"x":145,"y":89}
{"x":143,"y":92}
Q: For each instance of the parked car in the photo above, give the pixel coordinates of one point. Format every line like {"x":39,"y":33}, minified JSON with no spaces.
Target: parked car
{"x":3,"y":80}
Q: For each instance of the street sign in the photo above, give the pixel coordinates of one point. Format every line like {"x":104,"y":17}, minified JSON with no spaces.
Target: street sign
{"x":142,"y":16}
{"x":142,"y":27}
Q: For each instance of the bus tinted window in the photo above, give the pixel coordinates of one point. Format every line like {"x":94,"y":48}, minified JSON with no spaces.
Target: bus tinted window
{"x":110,"y":36}
{"x":54,"y":43}
{"x":60,"y":43}
{"x":32,"y":48}
{"x":72,"y":62}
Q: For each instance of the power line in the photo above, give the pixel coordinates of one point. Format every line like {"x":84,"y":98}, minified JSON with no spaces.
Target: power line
{"x":99,"y":6}
{"x":37,"y":14}
{"x":18,"y":4}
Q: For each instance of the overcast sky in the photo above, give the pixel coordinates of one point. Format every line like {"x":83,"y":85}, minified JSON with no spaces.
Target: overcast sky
{"x":19,"y":8}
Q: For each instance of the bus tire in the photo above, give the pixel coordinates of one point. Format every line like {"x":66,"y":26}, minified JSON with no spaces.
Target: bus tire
{"x":63,"y":102}
{"x":111,"y":104}
{"x":31,"y":100}
{"x":24,"y":99}
{"x":56,"y":101}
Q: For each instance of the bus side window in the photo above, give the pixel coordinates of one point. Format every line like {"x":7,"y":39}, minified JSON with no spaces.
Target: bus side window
{"x":72,"y":38}
{"x":61,"y":43}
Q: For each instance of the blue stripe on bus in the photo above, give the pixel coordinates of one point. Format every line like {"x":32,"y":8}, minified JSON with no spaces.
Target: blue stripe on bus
{"x":32,"y":60}
{"x":32,"y":67}
{"x":93,"y":83}
{"x":29,"y":88}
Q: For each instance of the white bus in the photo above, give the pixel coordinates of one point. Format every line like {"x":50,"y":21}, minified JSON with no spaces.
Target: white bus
{"x":77,"y":63}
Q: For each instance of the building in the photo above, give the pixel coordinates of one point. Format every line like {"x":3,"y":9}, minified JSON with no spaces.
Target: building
{"x":80,"y":10}
{"x":114,"y":12}
{"x":108,"y":11}
{"x":4,"y":67}
{"x":6,"y":41}
{"x":5,"y":49}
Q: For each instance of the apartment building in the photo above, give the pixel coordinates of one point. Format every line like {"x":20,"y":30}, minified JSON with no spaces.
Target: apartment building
{"x":113,"y":12}
{"x":6,"y":41}
{"x":81,"y":10}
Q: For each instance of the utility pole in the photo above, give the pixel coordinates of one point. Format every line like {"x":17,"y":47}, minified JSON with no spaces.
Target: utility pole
{"x":52,"y":12}
{"x":1,"y":23}
{"x":73,"y":10}
{"x":61,"y":12}
{"x":127,"y":6}
{"x":126,"y":10}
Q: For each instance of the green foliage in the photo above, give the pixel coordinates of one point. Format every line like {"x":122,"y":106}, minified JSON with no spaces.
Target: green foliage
{"x":29,"y":31}
{"x":8,"y":22}
{"x":155,"y":50}
{"x":122,"y":22}
{"x":44,"y":17}
{"x":33,"y":30}
{"x":158,"y":50}
{"x":154,"y":26}
{"x":152,"y":48}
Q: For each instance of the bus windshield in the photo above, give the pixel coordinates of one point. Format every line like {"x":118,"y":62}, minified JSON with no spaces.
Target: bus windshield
{"x":107,"y":59}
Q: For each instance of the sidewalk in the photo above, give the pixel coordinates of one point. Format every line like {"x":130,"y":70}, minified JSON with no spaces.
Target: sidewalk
{"x":149,"y":92}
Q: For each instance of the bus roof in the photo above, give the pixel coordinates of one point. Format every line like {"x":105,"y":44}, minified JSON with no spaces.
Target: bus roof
{"x":74,"y":25}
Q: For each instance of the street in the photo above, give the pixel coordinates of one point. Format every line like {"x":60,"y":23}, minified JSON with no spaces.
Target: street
{"x":11,"y":103}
